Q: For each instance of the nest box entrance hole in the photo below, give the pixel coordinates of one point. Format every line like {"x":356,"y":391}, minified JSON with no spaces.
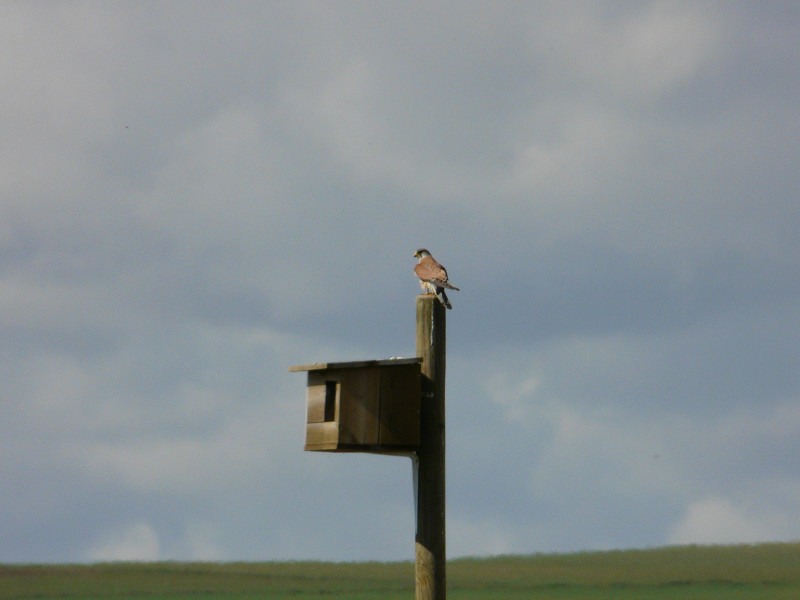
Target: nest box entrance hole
{"x":329,"y":412}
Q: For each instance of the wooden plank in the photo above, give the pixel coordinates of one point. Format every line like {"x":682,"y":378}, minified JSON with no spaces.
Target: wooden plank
{"x":358,"y":412}
{"x":430,"y":560}
{"x":324,"y":399}
{"x":315,"y":403}
{"x":356,"y":364}
{"x":323,"y":448}
{"x":399,"y":409}
{"x":322,"y":434}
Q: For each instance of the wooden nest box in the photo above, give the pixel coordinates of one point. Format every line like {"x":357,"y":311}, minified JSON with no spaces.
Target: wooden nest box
{"x":365,"y":406}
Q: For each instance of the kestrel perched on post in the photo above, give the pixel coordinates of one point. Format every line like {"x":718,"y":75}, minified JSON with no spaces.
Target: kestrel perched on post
{"x":432,"y":276}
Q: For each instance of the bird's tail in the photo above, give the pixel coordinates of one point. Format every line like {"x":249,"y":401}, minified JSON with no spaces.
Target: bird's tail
{"x":443,"y":298}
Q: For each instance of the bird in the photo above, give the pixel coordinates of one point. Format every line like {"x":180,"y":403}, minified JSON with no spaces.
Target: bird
{"x":432,"y":276}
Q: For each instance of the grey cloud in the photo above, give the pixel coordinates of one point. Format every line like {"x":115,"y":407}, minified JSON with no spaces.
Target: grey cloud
{"x":196,"y":197}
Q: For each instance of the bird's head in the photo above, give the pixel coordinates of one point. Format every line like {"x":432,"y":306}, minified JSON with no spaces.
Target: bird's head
{"x":421,"y":253}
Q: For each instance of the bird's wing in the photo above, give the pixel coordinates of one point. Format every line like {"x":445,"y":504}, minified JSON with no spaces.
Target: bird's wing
{"x":429,"y":270}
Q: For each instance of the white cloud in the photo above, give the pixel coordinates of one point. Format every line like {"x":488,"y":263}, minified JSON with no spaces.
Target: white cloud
{"x":202,"y":541}
{"x":715,"y":520}
{"x":471,"y":536}
{"x":217,"y":450}
{"x":591,"y":145}
{"x":517,"y":399}
{"x":134,"y":542}
{"x":631,"y":55}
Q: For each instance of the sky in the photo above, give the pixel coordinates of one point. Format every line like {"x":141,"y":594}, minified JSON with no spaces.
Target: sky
{"x":196,"y":195}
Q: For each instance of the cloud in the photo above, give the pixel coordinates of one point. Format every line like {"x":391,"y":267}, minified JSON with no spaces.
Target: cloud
{"x":634,"y":55}
{"x":718,"y":521}
{"x":135,"y":542}
{"x":202,"y":541}
{"x":486,"y":537}
{"x":194,"y":199}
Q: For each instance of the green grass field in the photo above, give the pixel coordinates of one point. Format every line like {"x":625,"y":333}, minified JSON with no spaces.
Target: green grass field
{"x":763,"y":571}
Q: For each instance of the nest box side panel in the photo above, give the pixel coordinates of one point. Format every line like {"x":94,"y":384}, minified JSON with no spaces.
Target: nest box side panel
{"x":322,"y":399}
{"x":322,"y":407}
{"x":400,"y":404}
{"x":358,"y":406}
{"x":322,"y":436}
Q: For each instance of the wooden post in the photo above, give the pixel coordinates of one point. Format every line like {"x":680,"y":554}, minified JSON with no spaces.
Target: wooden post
{"x":429,"y":465}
